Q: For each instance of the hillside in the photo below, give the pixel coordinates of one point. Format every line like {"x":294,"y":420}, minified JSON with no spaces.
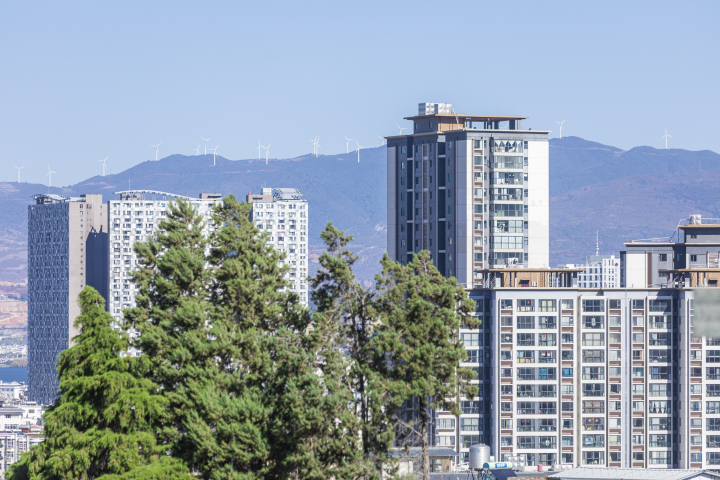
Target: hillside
{"x":638,"y":193}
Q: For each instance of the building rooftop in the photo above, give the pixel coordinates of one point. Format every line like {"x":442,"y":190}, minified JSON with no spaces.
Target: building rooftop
{"x":581,"y":473}
{"x":471,"y":118}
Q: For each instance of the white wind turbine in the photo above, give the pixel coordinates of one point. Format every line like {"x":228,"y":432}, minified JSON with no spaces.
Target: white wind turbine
{"x":347,"y":144}
{"x":156,"y":149}
{"x":315,"y":143}
{"x":666,"y":136}
{"x":49,"y":175}
{"x":560,"y":123}
{"x":258,"y":149}
{"x":197,"y":150}
{"x":104,"y":164}
{"x":401,"y":129}
{"x":382,"y":140}
{"x":267,"y":153}
{"x":214,"y":150}
{"x":18,"y":169}
{"x":206,"y":140}
{"x":358,"y":150}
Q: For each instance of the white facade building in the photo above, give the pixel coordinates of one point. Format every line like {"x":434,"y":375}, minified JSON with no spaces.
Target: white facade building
{"x":133,"y":218}
{"x":283,"y":213}
{"x":601,"y":271}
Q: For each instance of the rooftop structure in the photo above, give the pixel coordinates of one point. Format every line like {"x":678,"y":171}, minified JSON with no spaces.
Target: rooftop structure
{"x":589,"y":473}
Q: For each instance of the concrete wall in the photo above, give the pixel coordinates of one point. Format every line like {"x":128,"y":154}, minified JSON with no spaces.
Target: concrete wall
{"x":538,"y":202}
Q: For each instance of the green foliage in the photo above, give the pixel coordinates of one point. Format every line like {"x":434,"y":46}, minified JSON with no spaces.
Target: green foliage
{"x":421,"y":312}
{"x":103,"y":423}
{"x":351,"y":309}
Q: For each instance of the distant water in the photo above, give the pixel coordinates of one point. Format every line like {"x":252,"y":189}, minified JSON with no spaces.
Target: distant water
{"x":13,"y":374}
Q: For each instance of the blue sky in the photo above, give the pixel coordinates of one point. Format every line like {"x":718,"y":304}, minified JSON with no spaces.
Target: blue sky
{"x":84,"y":80}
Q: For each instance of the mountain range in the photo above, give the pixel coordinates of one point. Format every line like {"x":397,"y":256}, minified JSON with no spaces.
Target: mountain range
{"x":621,"y":195}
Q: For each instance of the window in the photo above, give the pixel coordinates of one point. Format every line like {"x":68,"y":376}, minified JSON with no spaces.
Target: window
{"x":526,"y":339}
{"x":712,"y":458}
{"x":445,"y":440}
{"x":638,"y":304}
{"x":614,"y":372}
{"x":470,"y":406}
{"x":567,"y":372}
{"x":526,"y":356}
{"x":660,"y":457}
{"x":614,"y":456}
{"x":660,"y":406}
{"x":638,"y":338}
{"x":525,"y":322}
{"x":567,"y":354}
{"x":471,"y":339}
{"x":445,"y":423}
{"x":567,"y":441}
{"x":593,"y":339}
{"x":593,"y":390}
{"x":615,"y":304}
{"x":506,"y":304}
{"x":593,"y":406}
{"x":615,"y":406}
{"x":638,"y":372}
{"x":547,"y":339}
{"x":547,"y":323}
{"x":593,"y":458}
{"x":526,"y":373}
{"x":506,"y":355}
{"x":662,"y":339}
{"x":593,"y":441}
{"x":593,"y":322}
{"x":712,"y":407}
{"x":712,"y":356}
{"x":567,"y":338}
{"x":696,"y":457}
{"x":506,"y":338}
{"x":659,"y":423}
{"x":638,"y":354}
{"x":567,"y":423}
{"x":567,"y":321}
{"x":472,"y":356}
{"x":659,"y":390}
{"x":614,"y":354}
{"x":693,"y":258}
{"x":547,"y":306}
{"x":638,"y":388}
{"x":593,"y":373}
{"x":526,"y":305}
{"x":568,"y":458}
{"x":659,"y":356}
{"x":593,"y":356}
{"x":615,"y":320}
{"x":469,"y":424}
{"x":638,"y":423}
{"x":593,"y":306}
{"x":526,"y":390}
{"x":567,"y":407}
{"x":615,"y":338}
{"x":664,"y":441}
{"x":638,"y":406}
{"x":547,"y":373}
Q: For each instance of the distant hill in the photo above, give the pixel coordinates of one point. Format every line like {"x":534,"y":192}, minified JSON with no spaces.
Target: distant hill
{"x":638,"y":193}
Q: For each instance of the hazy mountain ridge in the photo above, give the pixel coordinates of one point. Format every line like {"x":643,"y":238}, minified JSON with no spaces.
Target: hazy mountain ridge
{"x":638,"y":193}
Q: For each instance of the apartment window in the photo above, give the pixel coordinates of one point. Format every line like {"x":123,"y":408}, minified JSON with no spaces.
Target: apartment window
{"x":526,"y":390}
{"x":659,"y":390}
{"x":567,"y":338}
{"x":593,"y":339}
{"x":445,"y":440}
{"x":712,"y":407}
{"x":526,"y":356}
{"x":567,"y":321}
{"x":593,"y":306}
{"x":547,"y":339}
{"x":593,"y":406}
{"x":593,"y":322}
{"x":638,"y":423}
{"x":506,"y":424}
{"x":526,"y":373}
{"x":593,"y":458}
{"x":660,"y":423}
{"x":593,"y":356}
{"x":568,"y":354}
{"x":546,"y":356}
{"x":638,"y":439}
{"x":526,"y":339}
{"x":638,"y":338}
{"x":638,"y":372}
{"x":615,"y":338}
{"x":662,"y":339}
{"x":567,"y":441}
{"x":547,"y":306}
{"x":568,"y":423}
{"x":469,"y":424}
{"x":593,"y":390}
{"x":638,"y":354}
{"x":525,"y":322}
{"x":615,"y":305}
{"x":506,"y":321}
{"x":593,"y":373}
{"x":446,"y":423}
{"x":659,"y":356}
{"x":661,"y":406}
{"x":567,"y":372}
{"x":638,"y":389}
{"x":638,"y":304}
{"x":711,"y":356}
{"x":693,"y":258}
{"x":614,"y":354}
{"x":526,"y":305}
{"x":506,"y":338}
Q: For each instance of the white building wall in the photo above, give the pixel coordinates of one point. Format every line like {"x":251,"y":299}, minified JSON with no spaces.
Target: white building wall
{"x":538,"y":204}
{"x":635,"y":270}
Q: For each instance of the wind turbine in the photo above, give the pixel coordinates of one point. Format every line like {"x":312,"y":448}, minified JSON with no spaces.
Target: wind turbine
{"x":18,"y":169}
{"x":401,"y":129}
{"x":666,"y":136}
{"x":156,"y":149}
{"x":258,"y":149}
{"x":560,"y":123}
{"x":214,"y":150}
{"x":267,"y":153}
{"x":49,"y":175}
{"x":317,"y":144}
{"x":197,"y":150}
{"x":104,"y":164}
{"x":359,"y":147}
{"x":382,"y":140}
{"x":206,"y":140}
{"x":347,"y":143}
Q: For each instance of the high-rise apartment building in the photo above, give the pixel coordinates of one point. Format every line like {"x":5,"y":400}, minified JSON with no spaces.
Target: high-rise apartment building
{"x":73,"y":242}
{"x":67,"y":249}
{"x":283,"y":213}
{"x":471,"y":189}
{"x":596,"y":376}
{"x":133,"y":218}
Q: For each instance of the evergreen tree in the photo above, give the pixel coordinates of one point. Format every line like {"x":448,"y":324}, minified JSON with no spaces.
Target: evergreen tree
{"x":103,"y":424}
{"x":342,"y":301}
{"x":421,"y":313}
{"x":171,"y":319}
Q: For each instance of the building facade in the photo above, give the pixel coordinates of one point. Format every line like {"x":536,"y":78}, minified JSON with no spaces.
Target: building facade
{"x":67,"y":249}
{"x":473,"y":194}
{"x":597,"y":376}
{"x":132,"y":218}
{"x":600,"y":271}
{"x":283,"y":214}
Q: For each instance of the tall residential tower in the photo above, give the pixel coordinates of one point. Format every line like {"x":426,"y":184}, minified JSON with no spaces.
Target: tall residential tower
{"x":67,"y":249}
{"x":471,"y":189}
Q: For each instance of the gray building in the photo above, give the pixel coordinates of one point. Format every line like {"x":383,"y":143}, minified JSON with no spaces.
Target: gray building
{"x":67,"y":249}
{"x":471,"y":189}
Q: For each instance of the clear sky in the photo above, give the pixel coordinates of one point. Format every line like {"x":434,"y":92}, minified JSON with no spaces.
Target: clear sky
{"x":80,"y":81}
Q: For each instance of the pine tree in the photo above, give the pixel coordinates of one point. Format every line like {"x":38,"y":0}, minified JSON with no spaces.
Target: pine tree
{"x":103,"y":424}
{"x":341,"y":300}
{"x":171,"y":319}
{"x":421,"y":313}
